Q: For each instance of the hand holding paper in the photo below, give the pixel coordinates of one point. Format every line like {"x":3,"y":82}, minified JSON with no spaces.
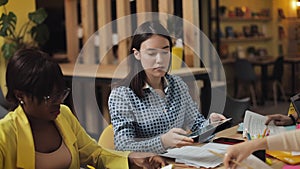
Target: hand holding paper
{"x":233,"y":161}
{"x":241,"y":151}
{"x":279,"y":120}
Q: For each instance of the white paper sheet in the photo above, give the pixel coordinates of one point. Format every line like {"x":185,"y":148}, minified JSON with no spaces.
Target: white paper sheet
{"x":196,"y":156}
{"x":295,"y":153}
{"x":170,"y":166}
{"x":200,"y":156}
{"x":255,"y":163}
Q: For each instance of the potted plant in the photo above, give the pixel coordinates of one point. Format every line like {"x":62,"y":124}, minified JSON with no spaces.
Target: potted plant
{"x":33,"y":33}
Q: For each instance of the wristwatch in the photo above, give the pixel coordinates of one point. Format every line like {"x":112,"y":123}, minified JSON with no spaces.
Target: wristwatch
{"x":293,"y":119}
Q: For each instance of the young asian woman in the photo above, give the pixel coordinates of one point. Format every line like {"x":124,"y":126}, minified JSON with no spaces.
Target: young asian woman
{"x":150,"y":109}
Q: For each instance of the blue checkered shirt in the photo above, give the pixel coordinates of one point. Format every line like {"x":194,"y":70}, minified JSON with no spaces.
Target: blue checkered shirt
{"x":139,"y":123}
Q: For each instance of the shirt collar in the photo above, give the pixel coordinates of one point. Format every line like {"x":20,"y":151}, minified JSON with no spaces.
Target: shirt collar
{"x":165,"y":82}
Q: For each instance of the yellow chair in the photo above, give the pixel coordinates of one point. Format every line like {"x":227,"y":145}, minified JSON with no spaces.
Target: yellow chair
{"x":106,"y":139}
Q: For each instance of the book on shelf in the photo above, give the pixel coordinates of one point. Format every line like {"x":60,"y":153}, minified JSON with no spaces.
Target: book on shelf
{"x":281,"y":13}
{"x":229,"y":32}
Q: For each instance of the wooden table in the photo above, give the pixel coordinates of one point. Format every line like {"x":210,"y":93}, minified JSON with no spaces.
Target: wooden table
{"x":293,"y":61}
{"x":108,"y":72}
{"x":231,"y":133}
{"x":104,"y":74}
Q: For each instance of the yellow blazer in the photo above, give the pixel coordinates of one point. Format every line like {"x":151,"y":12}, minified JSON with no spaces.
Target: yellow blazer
{"x":17,"y":146}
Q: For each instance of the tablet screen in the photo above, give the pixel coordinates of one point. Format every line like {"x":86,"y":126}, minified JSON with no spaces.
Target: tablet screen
{"x":206,"y":131}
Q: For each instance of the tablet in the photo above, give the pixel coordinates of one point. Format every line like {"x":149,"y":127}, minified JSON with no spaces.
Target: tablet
{"x":203,"y":134}
{"x":296,"y":103}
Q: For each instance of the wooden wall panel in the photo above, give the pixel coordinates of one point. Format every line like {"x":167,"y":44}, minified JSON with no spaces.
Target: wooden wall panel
{"x":165,"y":6}
{"x":190,"y":14}
{"x":71,"y":14}
{"x":189,"y":9}
{"x":87,"y":19}
{"x":124,"y":28}
{"x":105,"y":35}
{"x":88,"y":27}
{"x":143,"y":6}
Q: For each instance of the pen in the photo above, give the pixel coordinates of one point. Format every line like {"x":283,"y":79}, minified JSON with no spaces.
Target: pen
{"x":265,"y":131}
{"x":90,"y":167}
{"x":248,"y":135}
{"x":269,"y":161}
{"x":268,"y":132}
{"x":180,"y":165}
{"x":234,"y":161}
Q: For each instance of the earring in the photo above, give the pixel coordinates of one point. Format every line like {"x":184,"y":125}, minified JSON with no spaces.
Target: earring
{"x":21,"y":102}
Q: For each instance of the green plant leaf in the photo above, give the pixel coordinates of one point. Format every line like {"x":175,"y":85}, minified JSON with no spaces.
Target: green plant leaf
{"x":8,"y":50}
{"x":3,"y":2}
{"x":40,"y":33}
{"x":7,"y":24}
{"x":38,"y":16}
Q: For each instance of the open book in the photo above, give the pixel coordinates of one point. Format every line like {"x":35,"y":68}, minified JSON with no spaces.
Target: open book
{"x":255,"y":124}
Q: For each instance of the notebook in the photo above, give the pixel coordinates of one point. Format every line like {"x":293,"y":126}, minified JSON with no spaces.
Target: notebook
{"x":285,"y":156}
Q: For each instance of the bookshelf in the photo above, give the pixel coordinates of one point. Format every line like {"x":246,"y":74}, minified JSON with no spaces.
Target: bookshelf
{"x":242,"y":25}
{"x":247,"y":28}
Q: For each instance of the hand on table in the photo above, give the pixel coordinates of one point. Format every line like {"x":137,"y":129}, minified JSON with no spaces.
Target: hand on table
{"x":176,"y":138}
{"x":146,"y":160}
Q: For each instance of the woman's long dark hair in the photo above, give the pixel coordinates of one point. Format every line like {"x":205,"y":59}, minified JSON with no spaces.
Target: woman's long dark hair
{"x":33,"y":72}
{"x":136,"y":77}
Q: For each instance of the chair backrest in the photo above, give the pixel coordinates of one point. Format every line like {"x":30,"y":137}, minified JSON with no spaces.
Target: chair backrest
{"x":106,"y":139}
{"x":235,"y":109}
{"x":244,"y":70}
{"x":278,"y":69}
{"x":3,"y":101}
{"x":3,"y":112}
